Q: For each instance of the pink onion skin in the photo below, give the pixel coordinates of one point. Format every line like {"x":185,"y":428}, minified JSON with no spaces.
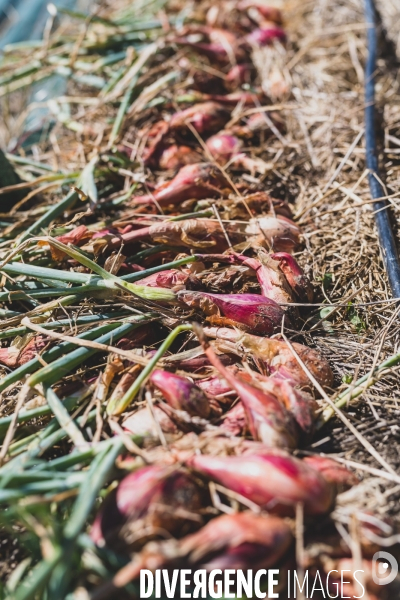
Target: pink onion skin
{"x":75,"y":236}
{"x":272,"y":282}
{"x":238,"y":541}
{"x":234,"y":421}
{"x":295,"y":276}
{"x":198,"y":181}
{"x":143,"y":495}
{"x":256,"y":314}
{"x":205,"y":117}
{"x":131,"y":498}
{"x":267,"y":419}
{"x":273,"y":285}
{"x":214,"y":386}
{"x":239,"y":74}
{"x":337,"y":474}
{"x":181,"y":394}
{"x":223,"y":146}
{"x":265,"y":37}
{"x":275,"y":482}
{"x":170,"y":278}
{"x":15,"y":357}
{"x":155,"y":140}
{"x":299,"y":403}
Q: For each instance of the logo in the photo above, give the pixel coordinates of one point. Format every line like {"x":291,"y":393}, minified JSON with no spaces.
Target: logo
{"x":384,"y":568}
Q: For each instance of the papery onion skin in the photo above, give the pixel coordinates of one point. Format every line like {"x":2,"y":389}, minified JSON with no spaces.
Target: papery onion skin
{"x":251,"y":312}
{"x":277,"y":355}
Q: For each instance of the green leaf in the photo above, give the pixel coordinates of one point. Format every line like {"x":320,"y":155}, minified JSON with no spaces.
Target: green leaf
{"x":327,"y":280}
{"x":355,"y":318}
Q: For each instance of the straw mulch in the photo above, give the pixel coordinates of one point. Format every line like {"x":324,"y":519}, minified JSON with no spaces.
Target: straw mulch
{"x":317,"y":167}
{"x":336,"y":215}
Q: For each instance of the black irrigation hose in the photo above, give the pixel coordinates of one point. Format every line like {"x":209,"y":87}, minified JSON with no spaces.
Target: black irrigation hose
{"x":382,"y":217}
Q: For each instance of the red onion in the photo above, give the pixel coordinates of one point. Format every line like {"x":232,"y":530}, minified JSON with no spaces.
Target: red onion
{"x":273,"y":284}
{"x":132,"y":498}
{"x":155,"y":140}
{"x":223,"y":146}
{"x":239,"y":74}
{"x":181,"y":394}
{"x":15,"y":356}
{"x":251,"y":312}
{"x":192,"y":233}
{"x":214,"y":386}
{"x":267,"y":419}
{"x":299,"y":403}
{"x":205,"y":117}
{"x":176,"y":157}
{"x":150,"y":500}
{"x":196,"y":181}
{"x":337,"y":474}
{"x":265,"y":37}
{"x":234,"y":421}
{"x":275,"y":482}
{"x":238,"y":541}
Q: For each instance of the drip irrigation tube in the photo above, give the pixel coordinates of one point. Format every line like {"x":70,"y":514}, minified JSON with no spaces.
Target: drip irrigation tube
{"x":382,"y":217}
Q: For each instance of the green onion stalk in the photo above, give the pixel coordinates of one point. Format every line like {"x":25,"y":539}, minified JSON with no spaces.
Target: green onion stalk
{"x":112,"y":281}
{"x":359,"y":387}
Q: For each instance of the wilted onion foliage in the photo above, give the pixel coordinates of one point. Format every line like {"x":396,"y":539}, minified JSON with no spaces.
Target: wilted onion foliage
{"x":155,"y":371}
